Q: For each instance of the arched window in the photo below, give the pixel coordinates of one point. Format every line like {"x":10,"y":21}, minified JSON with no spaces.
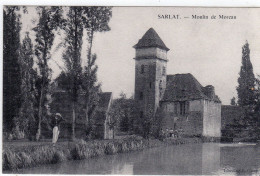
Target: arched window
{"x":142,"y":69}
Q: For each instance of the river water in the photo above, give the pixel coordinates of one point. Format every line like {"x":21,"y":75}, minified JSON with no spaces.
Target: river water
{"x":187,"y":159}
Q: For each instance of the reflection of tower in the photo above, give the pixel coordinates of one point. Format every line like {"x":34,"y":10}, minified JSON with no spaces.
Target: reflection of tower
{"x":210,"y":158}
{"x":150,"y":72}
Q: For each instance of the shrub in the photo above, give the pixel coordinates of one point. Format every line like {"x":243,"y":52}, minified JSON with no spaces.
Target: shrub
{"x":58,"y":156}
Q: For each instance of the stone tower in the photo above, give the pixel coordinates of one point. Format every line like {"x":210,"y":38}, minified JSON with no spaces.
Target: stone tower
{"x":150,"y":72}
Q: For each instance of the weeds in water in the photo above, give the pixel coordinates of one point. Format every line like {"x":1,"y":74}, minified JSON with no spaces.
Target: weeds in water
{"x":29,"y":156}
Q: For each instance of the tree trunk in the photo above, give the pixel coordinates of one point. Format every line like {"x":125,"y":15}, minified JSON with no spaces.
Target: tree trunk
{"x":87,"y":120}
{"x":73,"y":121}
{"x":38,"y":134}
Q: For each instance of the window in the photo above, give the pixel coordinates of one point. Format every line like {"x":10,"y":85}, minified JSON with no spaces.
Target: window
{"x":164,"y":70}
{"x":160,"y":84}
{"x":141,"y":96}
{"x":181,"y":107}
{"x":142,"y":69}
{"x":184,"y":108}
{"x":150,"y":85}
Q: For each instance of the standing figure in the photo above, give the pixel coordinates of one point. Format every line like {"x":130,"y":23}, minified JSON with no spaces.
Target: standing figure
{"x":56,"y":120}
{"x":171,"y":132}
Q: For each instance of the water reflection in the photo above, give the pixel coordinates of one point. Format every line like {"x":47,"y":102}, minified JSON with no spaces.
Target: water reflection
{"x":207,"y":158}
{"x":242,"y":160}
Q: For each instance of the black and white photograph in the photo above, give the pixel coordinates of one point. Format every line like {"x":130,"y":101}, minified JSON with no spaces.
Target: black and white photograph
{"x":130,"y":90}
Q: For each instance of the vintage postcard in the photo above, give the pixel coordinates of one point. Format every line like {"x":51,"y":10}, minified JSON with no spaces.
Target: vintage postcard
{"x":131,"y":90}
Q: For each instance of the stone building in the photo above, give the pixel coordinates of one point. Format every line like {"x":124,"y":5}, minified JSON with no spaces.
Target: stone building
{"x":186,"y":104}
{"x":100,"y":122}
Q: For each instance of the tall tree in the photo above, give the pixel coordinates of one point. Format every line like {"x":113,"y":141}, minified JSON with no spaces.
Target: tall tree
{"x":247,"y":95}
{"x":50,"y":19}
{"x":122,"y":113}
{"x":71,"y":79}
{"x":91,"y":89}
{"x":26,"y":113}
{"x":246,"y":80}
{"x":11,"y":68}
{"x":257,"y":107}
{"x":95,"y":20}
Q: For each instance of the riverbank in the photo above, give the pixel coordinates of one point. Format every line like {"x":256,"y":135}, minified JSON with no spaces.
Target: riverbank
{"x":23,"y":156}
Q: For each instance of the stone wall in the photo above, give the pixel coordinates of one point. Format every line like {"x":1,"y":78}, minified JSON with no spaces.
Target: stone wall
{"x":196,"y":105}
{"x":191,"y":124}
{"x":211,"y":119}
{"x":151,"y":84}
{"x":202,"y":118}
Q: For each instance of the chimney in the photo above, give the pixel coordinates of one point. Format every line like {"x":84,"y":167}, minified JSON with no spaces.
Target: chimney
{"x":210,"y":91}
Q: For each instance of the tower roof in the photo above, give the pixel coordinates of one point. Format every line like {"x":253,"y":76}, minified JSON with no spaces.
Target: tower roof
{"x":151,"y":39}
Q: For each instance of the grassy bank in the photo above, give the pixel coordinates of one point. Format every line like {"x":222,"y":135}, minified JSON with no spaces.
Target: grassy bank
{"x":23,"y":156}
{"x":16,"y":157}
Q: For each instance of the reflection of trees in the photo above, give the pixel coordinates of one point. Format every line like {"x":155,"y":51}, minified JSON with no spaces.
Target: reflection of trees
{"x":242,"y":160}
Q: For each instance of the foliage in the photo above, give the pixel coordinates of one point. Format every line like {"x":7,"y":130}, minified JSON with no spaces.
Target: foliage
{"x":123,"y":112}
{"x":11,"y":68}
{"x":95,"y":19}
{"x":50,"y":19}
{"x":256,"y":109}
{"x":248,"y":97}
{"x":91,"y":89}
{"x":70,"y":80}
{"x":247,"y":127}
{"x":246,"y":80}
{"x":26,"y":112}
{"x":151,"y":126}
{"x":126,"y":118}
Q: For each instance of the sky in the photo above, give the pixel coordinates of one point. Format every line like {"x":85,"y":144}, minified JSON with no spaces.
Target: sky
{"x":210,"y":49}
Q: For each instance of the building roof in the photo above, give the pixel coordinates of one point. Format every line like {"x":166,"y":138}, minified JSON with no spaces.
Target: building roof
{"x":182,"y":87}
{"x":151,"y":39}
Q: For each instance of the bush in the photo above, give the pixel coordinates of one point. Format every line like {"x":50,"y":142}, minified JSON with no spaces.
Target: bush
{"x":58,"y":157}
